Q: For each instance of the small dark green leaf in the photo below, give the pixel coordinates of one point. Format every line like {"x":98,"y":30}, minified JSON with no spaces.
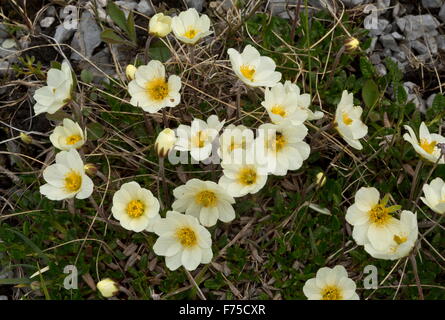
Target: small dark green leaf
{"x":130,"y":28}
{"x":158,"y":51}
{"x":117,"y":15}
{"x":86,"y":76}
{"x":370,"y":93}
{"x":366,"y":67}
{"x":400,"y":94}
{"x":95,"y":131}
{"x":110,"y":36}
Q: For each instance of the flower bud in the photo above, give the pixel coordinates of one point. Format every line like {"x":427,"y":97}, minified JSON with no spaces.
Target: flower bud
{"x":25,"y":138}
{"x":130,"y":71}
{"x":351,"y":44}
{"x":160,"y":25}
{"x":320,"y":179}
{"x":165,"y":142}
{"x":107,"y":287}
{"x":90,"y":169}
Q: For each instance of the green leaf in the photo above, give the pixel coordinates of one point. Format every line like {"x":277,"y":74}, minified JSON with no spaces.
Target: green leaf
{"x":110,"y":36}
{"x":95,"y":131}
{"x":400,"y":94}
{"x":366,"y":67}
{"x":86,"y":76}
{"x":370,"y":93}
{"x":130,"y":27}
{"x":117,"y":15}
{"x":158,"y":51}
{"x":437,"y":108}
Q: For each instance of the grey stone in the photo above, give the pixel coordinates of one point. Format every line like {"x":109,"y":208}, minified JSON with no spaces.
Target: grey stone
{"x":126,"y":6}
{"x":63,"y":34}
{"x":401,"y":56}
{"x":389,"y":42}
{"x":432,"y":3}
{"x":397,"y":36}
{"x":87,"y":37}
{"x":50,"y":12}
{"x":47,"y":22}
{"x":3,"y":31}
{"x":429,"y":101}
{"x":372,"y":45}
{"x":375,"y":58}
{"x":383,"y":5}
{"x":381,"y":26}
{"x":381,"y":69}
{"x":416,"y":26}
{"x":441,"y":42}
{"x":398,"y":10}
{"x":419,"y":47}
{"x":442,"y":13}
{"x":353,"y":3}
{"x":145,"y":7}
{"x":431,"y":44}
{"x":197,"y":4}
{"x":4,"y":67}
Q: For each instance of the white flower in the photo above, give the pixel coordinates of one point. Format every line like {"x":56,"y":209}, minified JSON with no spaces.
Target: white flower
{"x":303,"y":102}
{"x":403,"y":239}
{"x":150,"y":91}
{"x":253,"y":69}
{"x":282,"y":146}
{"x":165,"y":142}
{"x":189,"y":27}
{"x":205,"y":200}
{"x":435,"y":195}
{"x":233,"y":141}
{"x":243,"y":175}
{"x":135,"y":207}
{"x":331,"y":284}
{"x":68,"y":136}
{"x":66,"y":178}
{"x":371,"y":219}
{"x":107,"y":288}
{"x":348,"y":123}
{"x":198,"y":137}
{"x":183,"y":241}
{"x":57,"y":93}
{"x":160,"y":25}
{"x":427,"y":146}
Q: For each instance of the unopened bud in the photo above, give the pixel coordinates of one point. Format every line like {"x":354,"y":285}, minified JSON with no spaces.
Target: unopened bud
{"x":107,"y":287}
{"x":130,"y":71}
{"x":320,"y":179}
{"x":351,"y":44}
{"x":25,"y":138}
{"x":90,"y":169}
{"x":165,"y":142}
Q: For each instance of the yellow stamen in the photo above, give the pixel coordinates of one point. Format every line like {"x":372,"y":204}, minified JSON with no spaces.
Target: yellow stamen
{"x":346,"y":119}
{"x":280,"y":141}
{"x":187,"y":237}
{"x":199,"y":139}
{"x":247,"y":176}
{"x":279,"y":110}
{"x":190,"y":33}
{"x":399,"y":239}
{"x":73,"y":139}
{"x":379,"y":214}
{"x":73,"y":181}
{"x":428,"y":146}
{"x":206,"y":198}
{"x":331,"y":293}
{"x":135,"y":208}
{"x":247,"y":71}
{"x":157,"y":89}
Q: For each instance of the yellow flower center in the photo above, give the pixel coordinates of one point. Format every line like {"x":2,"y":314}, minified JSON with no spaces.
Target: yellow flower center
{"x":199,"y":139}
{"x":73,"y":139}
{"x":247,"y":71}
{"x":331,"y":293}
{"x":135,"y":208}
{"x":157,"y":89}
{"x":346,"y":119}
{"x":247,"y":176}
{"x":399,"y":239}
{"x":379,"y":214}
{"x":73,"y":181}
{"x":206,"y":198}
{"x":280,"y":141}
{"x":427,"y":146}
{"x":190,"y":33}
{"x":187,"y":237}
{"x":278,"y":110}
